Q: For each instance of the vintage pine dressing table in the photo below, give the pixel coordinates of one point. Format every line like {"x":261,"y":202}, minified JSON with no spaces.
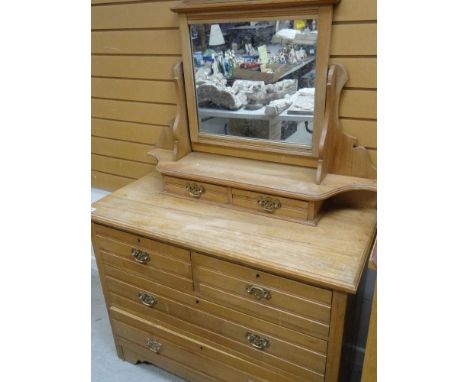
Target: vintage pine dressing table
{"x":238,"y":258}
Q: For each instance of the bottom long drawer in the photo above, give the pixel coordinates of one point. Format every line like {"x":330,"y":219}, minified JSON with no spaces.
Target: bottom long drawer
{"x":159,"y":340}
{"x":136,"y":353}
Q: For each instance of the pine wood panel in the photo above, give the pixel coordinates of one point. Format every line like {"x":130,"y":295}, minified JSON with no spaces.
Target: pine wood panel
{"x":157,"y":68}
{"x":133,"y":111}
{"x":336,"y":336}
{"x":137,"y":15}
{"x":364,"y":131}
{"x":358,"y":104}
{"x":121,"y":149}
{"x":120,"y":167}
{"x":126,"y":131}
{"x":137,"y":90}
{"x":165,"y":41}
{"x":362,"y":71}
{"x":108,"y":181}
{"x":355,"y":10}
{"x":354,"y":39}
{"x":373,"y":155}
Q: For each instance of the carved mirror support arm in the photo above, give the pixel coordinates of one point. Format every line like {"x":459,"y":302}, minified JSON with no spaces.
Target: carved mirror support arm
{"x":174,"y":141}
{"x":338,"y":153}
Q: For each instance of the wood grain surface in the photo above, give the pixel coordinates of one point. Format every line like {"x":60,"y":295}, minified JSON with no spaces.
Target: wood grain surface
{"x":330,"y":255}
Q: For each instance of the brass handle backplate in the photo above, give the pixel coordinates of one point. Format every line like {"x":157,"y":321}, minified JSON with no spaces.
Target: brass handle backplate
{"x":195,"y":190}
{"x":147,"y":299}
{"x":140,"y":256}
{"x":256,"y":341}
{"x":153,"y":345}
{"x":268,"y":204}
{"x":258,"y":292}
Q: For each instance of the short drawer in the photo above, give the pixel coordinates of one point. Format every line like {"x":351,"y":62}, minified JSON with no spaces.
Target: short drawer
{"x":167,"y":264}
{"x":196,"y":190}
{"x":188,"y":350}
{"x":286,"y":302}
{"x":247,"y":342}
{"x":154,"y":246}
{"x":270,"y":204}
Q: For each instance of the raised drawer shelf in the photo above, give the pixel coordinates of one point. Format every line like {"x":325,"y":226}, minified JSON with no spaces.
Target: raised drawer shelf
{"x":281,"y":191}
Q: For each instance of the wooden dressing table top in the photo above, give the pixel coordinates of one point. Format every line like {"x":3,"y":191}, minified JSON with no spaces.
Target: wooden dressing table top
{"x":331,"y":255}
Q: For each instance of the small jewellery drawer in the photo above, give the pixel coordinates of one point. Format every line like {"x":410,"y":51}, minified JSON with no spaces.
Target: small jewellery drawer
{"x":196,"y":190}
{"x":274,"y":205}
{"x":288,"y":303}
{"x":162,"y":262}
{"x":159,"y":339}
{"x":247,"y":342}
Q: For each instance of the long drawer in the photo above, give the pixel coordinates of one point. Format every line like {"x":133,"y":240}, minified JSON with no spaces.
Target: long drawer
{"x":159,"y":339}
{"x":137,"y":353}
{"x":285,"y":302}
{"x":158,"y":261}
{"x":246,"y":340}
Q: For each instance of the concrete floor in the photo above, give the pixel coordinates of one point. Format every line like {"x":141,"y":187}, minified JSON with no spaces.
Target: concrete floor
{"x":105,"y":365}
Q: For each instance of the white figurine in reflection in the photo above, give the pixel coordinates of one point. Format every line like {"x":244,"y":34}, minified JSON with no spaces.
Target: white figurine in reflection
{"x":292,"y":56}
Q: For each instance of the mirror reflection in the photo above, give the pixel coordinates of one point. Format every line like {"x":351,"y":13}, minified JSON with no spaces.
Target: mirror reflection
{"x":256,"y":79}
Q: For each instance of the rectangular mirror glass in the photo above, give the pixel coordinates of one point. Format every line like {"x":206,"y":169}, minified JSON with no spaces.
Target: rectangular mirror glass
{"x":256,"y":79}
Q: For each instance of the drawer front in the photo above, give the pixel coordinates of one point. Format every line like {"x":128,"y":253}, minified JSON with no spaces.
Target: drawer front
{"x":245,"y":341}
{"x":188,"y":350}
{"x":145,"y":257}
{"x":144,"y":243}
{"x":153,"y":273}
{"x":136,"y":353}
{"x":261,"y":295}
{"x":157,"y":263}
{"x":196,"y":190}
{"x":312,"y":293}
{"x":270,"y":204}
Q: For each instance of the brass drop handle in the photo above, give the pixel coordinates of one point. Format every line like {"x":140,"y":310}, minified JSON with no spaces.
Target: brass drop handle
{"x":258,"y":292}
{"x":256,"y":341}
{"x":268,"y":204}
{"x":140,"y":256}
{"x":153,"y":345}
{"x":147,"y":299}
{"x":195,"y":190}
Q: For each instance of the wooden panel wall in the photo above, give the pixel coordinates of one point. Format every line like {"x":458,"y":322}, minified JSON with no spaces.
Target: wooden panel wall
{"x":134,"y":45}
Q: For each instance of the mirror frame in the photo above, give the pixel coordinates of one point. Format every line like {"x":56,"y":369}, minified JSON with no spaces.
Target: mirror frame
{"x":256,"y":148}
